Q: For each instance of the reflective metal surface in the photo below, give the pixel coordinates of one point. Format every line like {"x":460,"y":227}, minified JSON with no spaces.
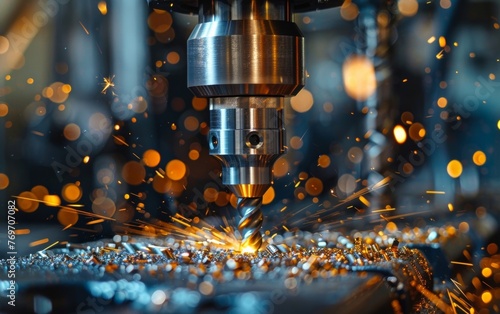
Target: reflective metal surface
{"x":245,"y":57}
{"x":247,"y":135}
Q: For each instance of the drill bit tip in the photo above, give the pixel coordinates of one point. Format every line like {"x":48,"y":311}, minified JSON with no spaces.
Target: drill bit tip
{"x":250,"y":223}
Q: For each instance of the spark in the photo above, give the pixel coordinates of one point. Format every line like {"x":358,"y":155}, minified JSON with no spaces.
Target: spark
{"x":23,"y":231}
{"x":180,"y":221}
{"x":462,"y":263}
{"x":433,"y":298}
{"x":365,"y":201}
{"x":67,"y":227}
{"x":366,"y":190}
{"x":37,"y":133}
{"x":160,"y":174}
{"x":85,"y":29}
{"x":39,"y":242}
{"x":283,"y":209}
{"x":440,"y":54}
{"x":304,"y":134}
{"x":402,"y":215}
{"x":96,"y":221}
{"x":434,"y":192}
{"x":108,"y":83}
{"x":120,"y":140}
{"x":451,"y":301}
{"x":383,"y":210}
{"x":463,"y":302}
{"x":284,"y":227}
{"x":48,"y":247}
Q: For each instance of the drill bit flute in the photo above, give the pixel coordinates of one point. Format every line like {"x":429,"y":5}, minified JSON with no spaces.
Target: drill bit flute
{"x":245,"y":57}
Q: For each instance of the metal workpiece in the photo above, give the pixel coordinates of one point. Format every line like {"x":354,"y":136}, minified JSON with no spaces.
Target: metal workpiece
{"x":158,"y":275}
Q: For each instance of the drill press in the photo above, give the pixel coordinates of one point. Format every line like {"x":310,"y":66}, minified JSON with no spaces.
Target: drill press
{"x":246,"y":57}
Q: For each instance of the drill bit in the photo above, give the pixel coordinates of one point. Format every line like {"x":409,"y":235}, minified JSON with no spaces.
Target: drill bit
{"x":250,"y":223}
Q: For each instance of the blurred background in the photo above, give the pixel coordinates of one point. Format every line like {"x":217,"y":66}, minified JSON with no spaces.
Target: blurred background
{"x":398,"y":126}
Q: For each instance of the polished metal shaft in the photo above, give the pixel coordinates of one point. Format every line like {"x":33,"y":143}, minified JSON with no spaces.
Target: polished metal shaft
{"x":250,"y":223}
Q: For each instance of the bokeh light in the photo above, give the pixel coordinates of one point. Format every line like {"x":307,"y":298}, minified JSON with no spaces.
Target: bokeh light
{"x":52,"y":200}
{"x":57,"y":92}
{"x":151,"y":158}
{"x":349,"y":11}
{"x":159,"y":21}
{"x":296,"y":142}
{"x":40,"y":191}
{"x":67,"y":216}
{"x":103,"y":206}
{"x":359,"y":78}
{"x":133,"y":173}
{"x":210,"y":194}
{"x":27,"y":202}
{"x":4,"y":44}
{"x":99,"y":122}
{"x":445,"y":4}
{"x":105,"y":176}
{"x":161,"y":184}
{"x":303,"y":101}
{"x":71,"y":132}
{"x":407,"y":117}
{"x":486,"y":296}
{"x":408,"y":7}
{"x":479,"y":158}
{"x":268,"y":197}
{"x":417,"y":132}
{"x":199,"y":104}
{"x":442,"y":102}
{"x":138,"y":104}
{"x":4,"y":109}
{"x":103,"y":7}
{"x":280,"y":167}
{"x":4,"y":181}
{"x":222,"y":199}
{"x":191,"y":123}
{"x":173,"y":57}
{"x":355,"y":154}
{"x":454,"y":168}
{"x":175,"y":169}
{"x":314,"y":186}
{"x":399,"y":134}
{"x":347,"y":184}
{"x":193,"y":154}
{"x":324,"y":161}
{"x":71,"y":193}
